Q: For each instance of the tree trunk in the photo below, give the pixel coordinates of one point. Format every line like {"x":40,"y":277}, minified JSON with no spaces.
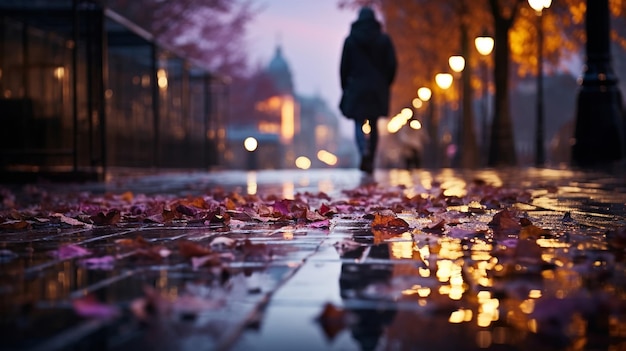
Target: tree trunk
{"x":502,"y":143}
{"x":468,"y":147}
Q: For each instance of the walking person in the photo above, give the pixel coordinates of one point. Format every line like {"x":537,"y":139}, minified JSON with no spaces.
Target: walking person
{"x":367,"y":70}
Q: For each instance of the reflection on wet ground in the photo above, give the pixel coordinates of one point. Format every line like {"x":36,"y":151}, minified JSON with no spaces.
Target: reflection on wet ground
{"x":463,"y":274}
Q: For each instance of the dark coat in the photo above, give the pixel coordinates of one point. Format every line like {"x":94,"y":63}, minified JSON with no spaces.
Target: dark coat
{"x":368,"y":67}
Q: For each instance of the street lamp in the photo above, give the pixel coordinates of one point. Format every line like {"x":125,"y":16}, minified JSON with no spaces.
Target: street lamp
{"x":424,"y":93}
{"x":600,"y":136}
{"x":443,"y":81}
{"x":538,"y":6}
{"x":457,"y":64}
{"x":251,"y":144}
{"x":484,"y":46}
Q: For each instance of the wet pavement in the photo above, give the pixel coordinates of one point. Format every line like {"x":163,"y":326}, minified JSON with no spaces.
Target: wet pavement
{"x":404,"y":260}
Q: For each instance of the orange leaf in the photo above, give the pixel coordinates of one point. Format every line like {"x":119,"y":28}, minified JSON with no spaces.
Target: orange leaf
{"x":230,"y":204}
{"x":127,"y":196}
{"x":388,"y":221}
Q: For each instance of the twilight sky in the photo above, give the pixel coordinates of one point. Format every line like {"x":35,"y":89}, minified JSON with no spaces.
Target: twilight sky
{"x":311,"y":34}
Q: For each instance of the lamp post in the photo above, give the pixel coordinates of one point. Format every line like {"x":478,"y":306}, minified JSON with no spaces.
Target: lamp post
{"x":600,"y":131}
{"x":457,"y":64}
{"x":538,"y":6}
{"x":443,"y":81}
{"x":425,"y":94}
{"x":484,"y":46}
{"x":251,"y":144}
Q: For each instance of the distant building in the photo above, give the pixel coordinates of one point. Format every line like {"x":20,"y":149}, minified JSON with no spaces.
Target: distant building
{"x":292,"y":130}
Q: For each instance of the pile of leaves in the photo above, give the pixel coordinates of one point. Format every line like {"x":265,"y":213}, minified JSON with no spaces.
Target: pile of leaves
{"x":483,"y":214}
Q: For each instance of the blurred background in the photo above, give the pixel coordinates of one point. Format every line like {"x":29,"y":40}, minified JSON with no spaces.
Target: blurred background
{"x":254,"y":84}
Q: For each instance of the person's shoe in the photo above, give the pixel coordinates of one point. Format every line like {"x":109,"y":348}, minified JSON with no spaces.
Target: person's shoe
{"x":367,"y":164}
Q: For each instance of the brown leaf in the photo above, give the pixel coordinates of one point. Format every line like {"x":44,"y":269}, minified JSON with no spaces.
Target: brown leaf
{"x":230,"y":204}
{"x":332,"y":320}
{"x":314,"y":216}
{"x":189,"y":249}
{"x":15,"y":224}
{"x":528,"y":252}
{"x":389,"y":221}
{"x":504,"y":224}
{"x":532,"y":232}
{"x":137,"y":242}
{"x":110,"y":218}
{"x":437,"y":227}
{"x":186,"y":210}
{"x":255,"y":252}
{"x":70,"y":221}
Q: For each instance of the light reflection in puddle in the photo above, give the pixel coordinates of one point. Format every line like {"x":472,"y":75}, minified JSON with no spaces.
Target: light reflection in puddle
{"x":288,"y":190}
{"x":251,"y":183}
{"x":326,"y":186}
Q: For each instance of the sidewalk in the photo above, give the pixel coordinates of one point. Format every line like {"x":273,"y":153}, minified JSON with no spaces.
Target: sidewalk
{"x":316,"y":260}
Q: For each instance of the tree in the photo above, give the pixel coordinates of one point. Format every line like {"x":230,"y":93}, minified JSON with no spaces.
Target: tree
{"x":416,"y":27}
{"x":210,"y":32}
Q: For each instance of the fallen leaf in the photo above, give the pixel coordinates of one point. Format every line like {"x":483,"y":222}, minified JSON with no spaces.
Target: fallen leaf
{"x":209,"y":260}
{"x":189,"y":249}
{"x":320,"y":224}
{"x":70,"y":221}
{"x":255,"y":252}
{"x":389,"y":221}
{"x":68,"y":251}
{"x":332,"y":320}
{"x":504,"y":224}
{"x":89,"y":307}
{"x":110,"y":218}
{"x":103,"y":263}
{"x":532,"y":232}
{"x":15,"y":224}
{"x":137,"y":242}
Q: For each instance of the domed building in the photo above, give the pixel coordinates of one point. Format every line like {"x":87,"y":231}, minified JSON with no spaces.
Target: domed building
{"x":280,"y":72}
{"x":291,"y":130}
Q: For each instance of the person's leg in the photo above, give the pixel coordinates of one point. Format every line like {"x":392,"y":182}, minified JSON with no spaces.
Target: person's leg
{"x":373,"y":137}
{"x":364,"y":143}
{"x":360,"y":137}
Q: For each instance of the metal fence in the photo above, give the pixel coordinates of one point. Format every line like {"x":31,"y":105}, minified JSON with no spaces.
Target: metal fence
{"x":83,"y":89}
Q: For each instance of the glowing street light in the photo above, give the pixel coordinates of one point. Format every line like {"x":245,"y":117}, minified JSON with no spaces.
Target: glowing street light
{"x":303,"y":162}
{"x":457,"y":63}
{"x":327,"y":157}
{"x":484,"y":44}
{"x":250,"y":144}
{"x":415,"y":124}
{"x":538,"y":6}
{"x":443,"y":80}
{"x":424,"y":93}
{"x":417,"y":103}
